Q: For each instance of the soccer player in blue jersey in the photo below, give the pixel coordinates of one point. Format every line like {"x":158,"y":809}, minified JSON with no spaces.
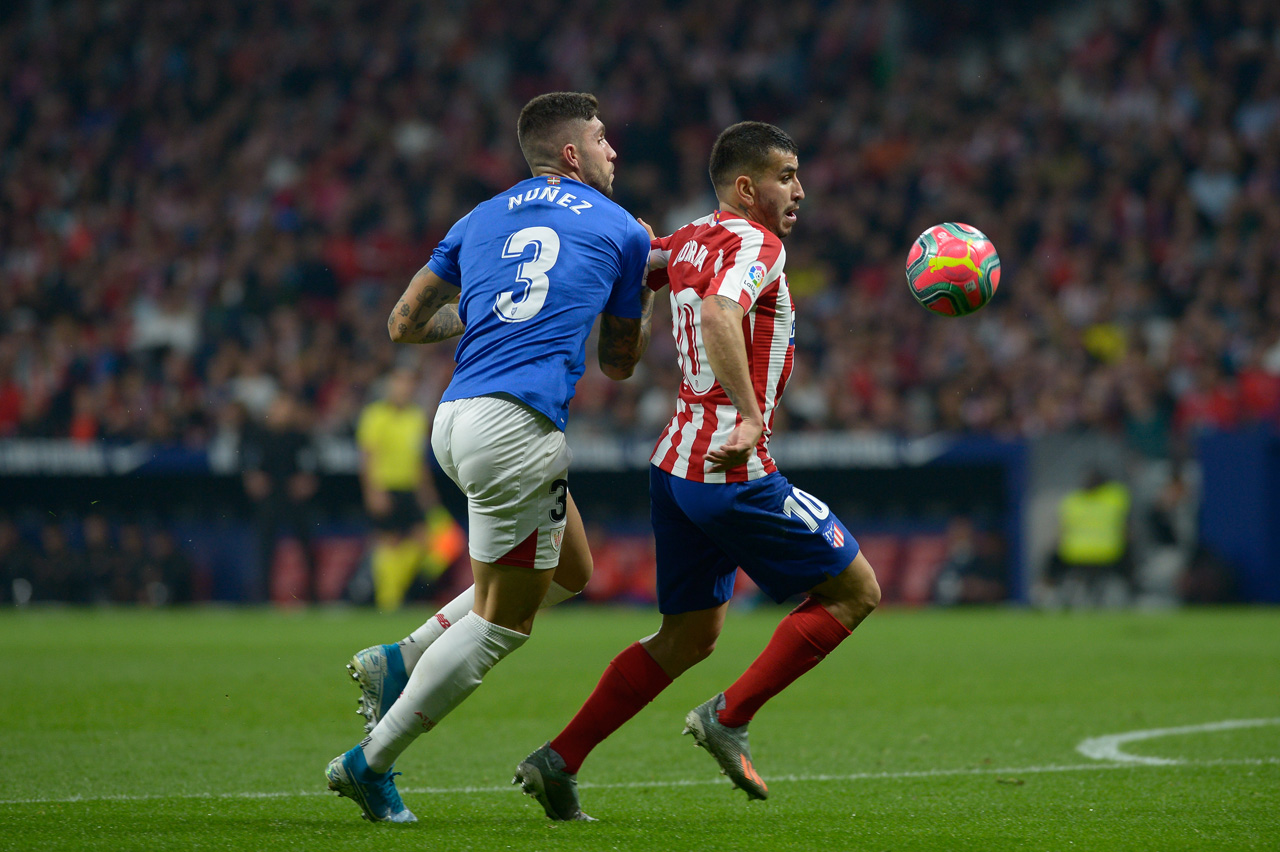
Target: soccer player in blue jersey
{"x":530,"y":270}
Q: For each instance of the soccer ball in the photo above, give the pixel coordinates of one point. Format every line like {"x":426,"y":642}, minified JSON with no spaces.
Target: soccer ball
{"x":953,"y":269}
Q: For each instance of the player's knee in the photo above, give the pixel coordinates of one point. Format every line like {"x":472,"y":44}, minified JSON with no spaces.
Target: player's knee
{"x":701,"y":649}
{"x":693,"y":648}
{"x":868,"y":597}
{"x":865,"y":595}
{"x":688,"y":654}
{"x":853,"y":595}
{"x":677,"y":653}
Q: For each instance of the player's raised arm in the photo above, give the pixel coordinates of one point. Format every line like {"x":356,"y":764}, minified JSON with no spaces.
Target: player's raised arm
{"x":727,"y":353}
{"x":427,"y":312}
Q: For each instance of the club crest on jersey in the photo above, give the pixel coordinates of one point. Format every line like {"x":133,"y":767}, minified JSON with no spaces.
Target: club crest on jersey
{"x":754,"y":277}
{"x":832,"y":534}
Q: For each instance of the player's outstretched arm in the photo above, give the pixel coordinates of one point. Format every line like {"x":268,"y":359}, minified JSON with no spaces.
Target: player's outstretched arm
{"x":623,"y":340}
{"x":426,"y":313}
{"x":727,"y":353}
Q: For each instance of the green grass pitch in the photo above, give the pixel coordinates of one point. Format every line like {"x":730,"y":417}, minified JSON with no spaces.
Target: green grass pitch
{"x":928,"y":730}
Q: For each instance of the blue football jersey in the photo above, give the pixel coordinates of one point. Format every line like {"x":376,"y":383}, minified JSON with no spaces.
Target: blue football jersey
{"x":536,"y":264}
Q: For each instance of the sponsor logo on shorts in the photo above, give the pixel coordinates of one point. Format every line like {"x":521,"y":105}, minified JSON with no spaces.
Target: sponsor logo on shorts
{"x":832,"y":534}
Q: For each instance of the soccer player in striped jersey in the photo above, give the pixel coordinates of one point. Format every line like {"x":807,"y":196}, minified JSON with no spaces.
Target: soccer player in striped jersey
{"x":717,"y":499}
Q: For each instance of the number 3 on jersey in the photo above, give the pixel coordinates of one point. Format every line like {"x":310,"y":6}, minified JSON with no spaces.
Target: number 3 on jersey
{"x":806,"y":507}
{"x":531,"y":275}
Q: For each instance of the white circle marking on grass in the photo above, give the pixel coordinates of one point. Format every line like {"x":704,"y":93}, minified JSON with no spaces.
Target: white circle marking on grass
{"x":1108,"y":748}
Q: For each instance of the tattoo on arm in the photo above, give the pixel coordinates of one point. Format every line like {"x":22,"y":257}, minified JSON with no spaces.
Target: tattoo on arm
{"x":624,"y":341}
{"x":646,"y":320}
{"x":445,"y":324}
{"x":724,"y":302}
{"x":619,"y":344}
{"x":424,"y":313}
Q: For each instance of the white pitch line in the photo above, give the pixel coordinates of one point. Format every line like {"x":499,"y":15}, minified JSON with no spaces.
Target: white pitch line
{"x":630,"y":785}
{"x":1108,"y":747}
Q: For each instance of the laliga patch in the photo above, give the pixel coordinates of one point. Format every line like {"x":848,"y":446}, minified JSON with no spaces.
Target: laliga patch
{"x":832,"y":534}
{"x":754,"y":277}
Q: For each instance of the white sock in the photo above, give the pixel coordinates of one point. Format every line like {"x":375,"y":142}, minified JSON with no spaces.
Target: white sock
{"x":455,"y":665}
{"x":413,"y":645}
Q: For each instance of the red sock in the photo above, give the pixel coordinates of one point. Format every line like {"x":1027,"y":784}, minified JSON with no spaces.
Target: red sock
{"x":630,"y":682}
{"x":802,"y":639}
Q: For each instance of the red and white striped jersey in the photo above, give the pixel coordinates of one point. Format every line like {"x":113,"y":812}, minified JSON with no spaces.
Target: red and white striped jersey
{"x":727,"y":255}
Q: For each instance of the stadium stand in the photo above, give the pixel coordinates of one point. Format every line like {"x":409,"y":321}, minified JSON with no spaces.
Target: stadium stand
{"x":206,"y":204}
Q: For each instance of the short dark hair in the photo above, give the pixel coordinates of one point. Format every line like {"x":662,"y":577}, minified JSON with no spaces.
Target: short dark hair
{"x":744,"y":149}
{"x":542,"y":119}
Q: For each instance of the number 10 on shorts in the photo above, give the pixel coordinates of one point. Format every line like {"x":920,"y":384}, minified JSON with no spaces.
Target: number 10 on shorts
{"x":806,"y":507}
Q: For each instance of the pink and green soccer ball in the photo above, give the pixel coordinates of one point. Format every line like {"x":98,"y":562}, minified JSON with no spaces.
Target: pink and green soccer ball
{"x":953,"y":269}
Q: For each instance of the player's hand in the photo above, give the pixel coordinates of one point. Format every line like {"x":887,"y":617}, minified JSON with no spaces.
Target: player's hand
{"x":648,"y":230}
{"x":735,"y":451}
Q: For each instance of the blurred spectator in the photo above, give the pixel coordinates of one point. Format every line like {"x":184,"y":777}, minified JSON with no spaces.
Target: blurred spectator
{"x":130,"y":562}
{"x":59,"y":573}
{"x":280,"y":479}
{"x":1171,"y":539}
{"x":101,"y":558}
{"x":1092,"y":563}
{"x":974,"y":571}
{"x":166,"y":573}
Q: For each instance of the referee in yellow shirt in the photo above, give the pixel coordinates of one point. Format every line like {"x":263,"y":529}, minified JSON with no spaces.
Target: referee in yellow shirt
{"x":392,"y":437}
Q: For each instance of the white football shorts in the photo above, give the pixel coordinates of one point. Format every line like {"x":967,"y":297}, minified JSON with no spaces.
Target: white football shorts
{"x":513,"y":465}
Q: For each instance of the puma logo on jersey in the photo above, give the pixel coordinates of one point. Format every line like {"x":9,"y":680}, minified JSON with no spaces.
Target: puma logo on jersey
{"x":551,"y":195}
{"x":692,"y":253}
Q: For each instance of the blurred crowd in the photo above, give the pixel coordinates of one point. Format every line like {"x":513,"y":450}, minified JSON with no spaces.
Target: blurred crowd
{"x":93,"y":560}
{"x":205,"y":205}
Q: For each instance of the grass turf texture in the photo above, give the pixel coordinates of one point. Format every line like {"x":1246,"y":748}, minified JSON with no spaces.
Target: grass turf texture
{"x":929,"y":730}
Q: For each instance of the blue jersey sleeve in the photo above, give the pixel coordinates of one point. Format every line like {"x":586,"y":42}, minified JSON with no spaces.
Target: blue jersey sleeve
{"x":624,"y":301}
{"x":444,"y":260}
